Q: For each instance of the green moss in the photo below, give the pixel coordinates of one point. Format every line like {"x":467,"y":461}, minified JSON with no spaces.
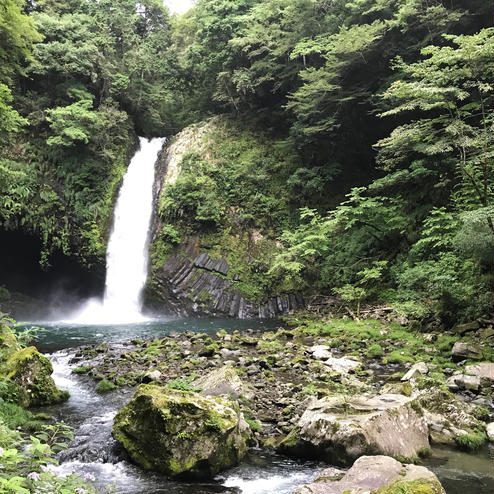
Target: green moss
{"x":83,"y":369}
{"x":375,"y":351}
{"x":104,"y":386}
{"x":254,"y":425}
{"x":189,"y":424}
{"x":399,"y":356}
{"x":406,"y":389}
{"x":290,"y":440}
{"x":420,"y":486}
{"x":310,"y":390}
{"x":481,"y":413}
{"x":31,"y":370}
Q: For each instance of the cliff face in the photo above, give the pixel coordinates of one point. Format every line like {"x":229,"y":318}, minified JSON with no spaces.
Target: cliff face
{"x":190,"y":282}
{"x":193,"y":274}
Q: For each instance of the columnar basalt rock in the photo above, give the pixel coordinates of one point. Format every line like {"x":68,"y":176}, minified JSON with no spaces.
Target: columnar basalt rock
{"x":190,"y":282}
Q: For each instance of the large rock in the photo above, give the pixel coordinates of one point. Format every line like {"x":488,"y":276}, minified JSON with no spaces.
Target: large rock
{"x":181,"y":433}
{"x":490,"y":431}
{"x":418,"y":369}
{"x":462,"y":351}
{"x":32,"y":371}
{"x":320,"y":352}
{"x":446,"y":416}
{"x":376,"y":474}
{"x":478,"y":377}
{"x":190,"y":282}
{"x":342,"y":365}
{"x":223,"y":381}
{"x":340,"y":429}
{"x":482,"y":371}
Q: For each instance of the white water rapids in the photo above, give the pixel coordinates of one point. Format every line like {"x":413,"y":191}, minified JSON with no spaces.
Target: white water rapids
{"x":127,"y":252}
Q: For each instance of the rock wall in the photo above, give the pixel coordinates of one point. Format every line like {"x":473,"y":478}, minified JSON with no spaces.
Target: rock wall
{"x":190,"y":282}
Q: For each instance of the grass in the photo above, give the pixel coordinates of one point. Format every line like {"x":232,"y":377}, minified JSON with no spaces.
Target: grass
{"x":183,"y":384}
{"x":104,"y":386}
{"x":14,"y":416}
{"x":471,"y":442}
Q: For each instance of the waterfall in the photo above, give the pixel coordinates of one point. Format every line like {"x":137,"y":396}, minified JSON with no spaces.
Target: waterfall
{"x":127,"y":252}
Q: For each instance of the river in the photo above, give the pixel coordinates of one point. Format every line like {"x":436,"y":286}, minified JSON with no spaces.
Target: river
{"x":94,"y":450}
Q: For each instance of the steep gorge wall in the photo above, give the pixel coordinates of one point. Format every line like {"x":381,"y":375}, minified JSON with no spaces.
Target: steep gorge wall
{"x":191,"y":277}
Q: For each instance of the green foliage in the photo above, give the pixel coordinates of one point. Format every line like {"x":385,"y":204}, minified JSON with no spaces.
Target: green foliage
{"x":183,"y":384}
{"x":371,"y":118}
{"x":471,"y":442}
{"x":23,"y":461}
{"x":12,"y":415}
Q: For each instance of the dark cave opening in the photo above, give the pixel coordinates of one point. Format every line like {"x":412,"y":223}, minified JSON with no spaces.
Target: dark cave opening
{"x":37,"y":292}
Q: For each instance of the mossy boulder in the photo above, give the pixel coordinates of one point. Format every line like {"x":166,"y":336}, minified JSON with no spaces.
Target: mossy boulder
{"x":181,"y":433}
{"x":448,"y":418}
{"x":32,"y":371}
{"x":376,"y":475}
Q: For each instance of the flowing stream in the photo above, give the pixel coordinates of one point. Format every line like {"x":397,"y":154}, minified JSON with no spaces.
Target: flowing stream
{"x":94,"y":451}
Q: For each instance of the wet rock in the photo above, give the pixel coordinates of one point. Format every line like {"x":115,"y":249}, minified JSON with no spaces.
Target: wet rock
{"x":181,"y":433}
{"x":462,"y":351}
{"x":320,"y":352}
{"x":399,"y":388}
{"x":380,"y":474}
{"x":490,"y":431}
{"x":223,"y":381}
{"x":342,"y":365}
{"x":418,"y":369}
{"x":446,"y":416}
{"x":482,"y":371}
{"x":340,"y":429}
{"x":152,"y":376}
{"x":478,"y":378}
{"x":462,"y":381}
{"x":32,"y":371}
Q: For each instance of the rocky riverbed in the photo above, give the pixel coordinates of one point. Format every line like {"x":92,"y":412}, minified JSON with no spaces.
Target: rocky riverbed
{"x":290,"y":381}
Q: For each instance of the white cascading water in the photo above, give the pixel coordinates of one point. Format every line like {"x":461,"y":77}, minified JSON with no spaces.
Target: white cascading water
{"x":127,"y":252}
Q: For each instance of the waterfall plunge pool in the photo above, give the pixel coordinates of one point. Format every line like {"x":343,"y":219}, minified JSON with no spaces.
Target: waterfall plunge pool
{"x":56,"y":335}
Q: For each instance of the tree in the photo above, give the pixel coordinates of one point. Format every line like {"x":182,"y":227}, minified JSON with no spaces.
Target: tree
{"x":449,"y":96}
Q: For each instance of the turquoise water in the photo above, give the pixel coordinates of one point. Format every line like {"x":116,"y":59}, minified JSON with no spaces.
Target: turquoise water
{"x":58,"y":336}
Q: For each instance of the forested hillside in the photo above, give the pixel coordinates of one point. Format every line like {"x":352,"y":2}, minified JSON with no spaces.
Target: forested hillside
{"x":353,"y":136}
